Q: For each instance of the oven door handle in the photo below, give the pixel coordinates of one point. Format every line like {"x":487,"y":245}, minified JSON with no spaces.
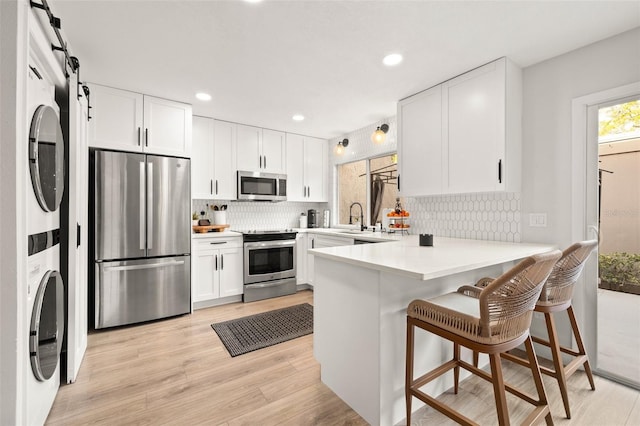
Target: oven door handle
{"x":270,"y":244}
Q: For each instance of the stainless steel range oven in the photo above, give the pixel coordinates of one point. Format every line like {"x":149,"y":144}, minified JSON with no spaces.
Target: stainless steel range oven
{"x":269,"y":264}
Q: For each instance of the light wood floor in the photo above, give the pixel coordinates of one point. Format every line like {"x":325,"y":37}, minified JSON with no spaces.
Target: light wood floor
{"x":178,"y":372}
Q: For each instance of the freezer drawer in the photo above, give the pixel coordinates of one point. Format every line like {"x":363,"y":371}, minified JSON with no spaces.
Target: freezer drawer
{"x":128,"y":292}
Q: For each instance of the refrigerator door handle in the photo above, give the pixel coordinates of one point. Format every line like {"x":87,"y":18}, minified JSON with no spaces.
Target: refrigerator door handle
{"x":147,"y":266}
{"x":149,"y":205}
{"x":142,"y":207}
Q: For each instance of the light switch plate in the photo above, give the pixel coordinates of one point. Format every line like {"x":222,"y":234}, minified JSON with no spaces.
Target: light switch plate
{"x":538,"y":220}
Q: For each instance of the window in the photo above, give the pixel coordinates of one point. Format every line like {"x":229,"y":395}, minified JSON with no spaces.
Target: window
{"x":373,"y":183}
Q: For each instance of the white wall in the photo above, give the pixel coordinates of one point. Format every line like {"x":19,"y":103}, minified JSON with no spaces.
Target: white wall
{"x":549,"y":88}
{"x":13,"y":45}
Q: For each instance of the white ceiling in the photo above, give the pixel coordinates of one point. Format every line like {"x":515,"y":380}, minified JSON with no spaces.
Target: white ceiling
{"x":264,"y":62}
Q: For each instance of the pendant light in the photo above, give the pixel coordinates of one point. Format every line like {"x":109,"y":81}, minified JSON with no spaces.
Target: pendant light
{"x":380,"y":134}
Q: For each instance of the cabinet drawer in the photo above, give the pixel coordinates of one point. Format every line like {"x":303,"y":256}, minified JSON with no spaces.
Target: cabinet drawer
{"x":216,"y":243}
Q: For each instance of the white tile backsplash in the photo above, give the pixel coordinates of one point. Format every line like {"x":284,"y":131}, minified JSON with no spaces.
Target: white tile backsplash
{"x":487,"y":216}
{"x":247,"y":215}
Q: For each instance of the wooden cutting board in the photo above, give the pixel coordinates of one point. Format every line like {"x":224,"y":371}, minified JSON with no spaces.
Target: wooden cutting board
{"x":209,"y":228}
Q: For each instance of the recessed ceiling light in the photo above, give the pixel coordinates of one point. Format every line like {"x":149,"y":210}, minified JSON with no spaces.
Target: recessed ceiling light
{"x":298,"y":117}
{"x":392,"y":59}
{"x":253,"y":1}
{"x":203,"y":96}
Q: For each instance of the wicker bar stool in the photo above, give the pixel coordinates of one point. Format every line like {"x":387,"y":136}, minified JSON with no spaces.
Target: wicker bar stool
{"x":556,"y":297}
{"x":497,"y":321}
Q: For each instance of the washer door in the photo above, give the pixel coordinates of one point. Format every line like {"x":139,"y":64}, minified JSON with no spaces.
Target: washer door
{"x":46,"y":158}
{"x":47,"y":326}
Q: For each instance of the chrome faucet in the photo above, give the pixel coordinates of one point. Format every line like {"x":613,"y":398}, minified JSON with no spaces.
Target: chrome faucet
{"x":362,"y":227}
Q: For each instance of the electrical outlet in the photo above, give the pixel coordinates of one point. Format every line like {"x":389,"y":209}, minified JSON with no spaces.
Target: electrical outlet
{"x":538,"y":220}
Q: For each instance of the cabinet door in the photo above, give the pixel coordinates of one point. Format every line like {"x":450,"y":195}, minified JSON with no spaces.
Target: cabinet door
{"x":296,"y":187}
{"x":301,"y":258}
{"x":230,"y":268}
{"x":315,"y":162}
{"x":476,"y":126}
{"x":224,"y":160}
{"x":204,"y":282}
{"x":273,"y":151}
{"x":311,"y":244}
{"x":116,"y":119}
{"x":202,"y":176}
{"x":248,"y":155}
{"x":420,"y":140}
{"x":167,"y":127}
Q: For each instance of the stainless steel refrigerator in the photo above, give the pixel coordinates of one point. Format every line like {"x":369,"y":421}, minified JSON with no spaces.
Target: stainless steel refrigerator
{"x":142,"y":237}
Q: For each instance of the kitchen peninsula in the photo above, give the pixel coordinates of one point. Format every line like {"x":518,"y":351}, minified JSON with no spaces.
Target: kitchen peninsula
{"x":360,"y":297}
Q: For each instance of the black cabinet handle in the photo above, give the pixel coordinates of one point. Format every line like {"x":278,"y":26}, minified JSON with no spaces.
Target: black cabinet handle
{"x":216,"y":186}
{"x":398,"y":182}
{"x":265,"y":161}
{"x":260,"y":160}
{"x":139,"y":131}
{"x":499,"y":171}
{"x":216,"y":262}
{"x":211,"y":186}
{"x":78,"y":234}
{"x":221,"y":261}
{"x":146,"y":137}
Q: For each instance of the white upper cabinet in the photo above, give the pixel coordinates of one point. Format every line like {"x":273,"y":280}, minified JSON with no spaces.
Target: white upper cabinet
{"x":116,"y":119}
{"x":128,"y":121}
{"x":224,"y":159}
{"x":479,"y":123}
{"x":307,"y":162}
{"x":248,"y":154}
{"x":202,"y":162}
{"x":260,"y":150}
{"x":212,"y":165}
{"x":273,"y":149}
{"x":167,"y":126}
{"x":422,"y":162}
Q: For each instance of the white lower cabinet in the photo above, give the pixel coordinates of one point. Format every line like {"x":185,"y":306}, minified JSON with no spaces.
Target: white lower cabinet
{"x":322,"y":241}
{"x":301,"y":258}
{"x":216,"y":269}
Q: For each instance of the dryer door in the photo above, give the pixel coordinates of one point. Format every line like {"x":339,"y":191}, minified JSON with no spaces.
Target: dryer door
{"x":47,"y":326}
{"x":46,"y":158}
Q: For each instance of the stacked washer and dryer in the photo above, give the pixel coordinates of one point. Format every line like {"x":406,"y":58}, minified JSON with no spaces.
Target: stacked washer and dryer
{"x":45,"y":288}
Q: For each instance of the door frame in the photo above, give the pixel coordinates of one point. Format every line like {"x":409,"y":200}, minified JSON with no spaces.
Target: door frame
{"x":584,"y":200}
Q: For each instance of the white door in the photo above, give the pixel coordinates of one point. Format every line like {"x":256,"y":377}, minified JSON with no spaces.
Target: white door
{"x":248,"y":155}
{"x":116,"y":119}
{"x":167,"y":127}
{"x":77,"y":280}
{"x":475,"y":131}
{"x":420,"y":142}
{"x":296,"y":188}
{"x":315,"y":162}
{"x":230,"y":268}
{"x":204,"y":277}
{"x":224,"y":160}
{"x":202,"y":176}
{"x":273,"y":149}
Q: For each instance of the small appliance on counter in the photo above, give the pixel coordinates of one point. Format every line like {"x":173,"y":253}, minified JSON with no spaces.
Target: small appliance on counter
{"x":326,"y":219}
{"x":303,"y":220}
{"x":313,"y":220}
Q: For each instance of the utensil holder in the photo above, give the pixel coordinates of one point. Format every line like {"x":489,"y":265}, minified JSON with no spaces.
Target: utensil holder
{"x":426,"y":240}
{"x":220,"y":217}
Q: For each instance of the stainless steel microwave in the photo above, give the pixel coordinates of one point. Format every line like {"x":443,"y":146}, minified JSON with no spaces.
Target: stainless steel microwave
{"x":256,"y":186}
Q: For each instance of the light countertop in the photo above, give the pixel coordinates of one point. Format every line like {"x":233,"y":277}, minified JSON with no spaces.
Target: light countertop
{"x":448,"y":256}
